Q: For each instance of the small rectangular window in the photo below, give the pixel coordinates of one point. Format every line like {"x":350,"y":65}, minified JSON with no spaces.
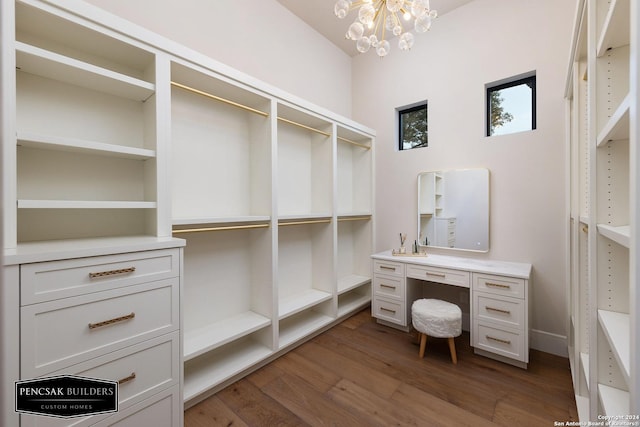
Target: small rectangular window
{"x":511,"y":106}
{"x":412,"y":127}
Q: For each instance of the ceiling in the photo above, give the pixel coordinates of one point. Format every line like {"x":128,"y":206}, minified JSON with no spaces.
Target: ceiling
{"x":319,"y":15}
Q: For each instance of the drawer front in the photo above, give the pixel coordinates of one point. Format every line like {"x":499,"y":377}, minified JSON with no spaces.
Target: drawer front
{"x":504,"y":342}
{"x":388,"y":286}
{"x":141,"y":371}
{"x":58,"y":334}
{"x":391,"y":311}
{"x":505,"y":311}
{"x":499,"y":285}
{"x":162,"y":410}
{"x":439,"y":275}
{"x":389,"y":268}
{"x":46,"y":281}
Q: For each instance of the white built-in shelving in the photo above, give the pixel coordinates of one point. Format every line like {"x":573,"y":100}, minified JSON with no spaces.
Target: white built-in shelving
{"x":602,"y":92}
{"x":275,"y":202}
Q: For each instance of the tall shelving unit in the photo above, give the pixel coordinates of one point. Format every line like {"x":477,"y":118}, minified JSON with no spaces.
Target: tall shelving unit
{"x":275,"y":202}
{"x":601,"y":93}
{"x":117,"y":140}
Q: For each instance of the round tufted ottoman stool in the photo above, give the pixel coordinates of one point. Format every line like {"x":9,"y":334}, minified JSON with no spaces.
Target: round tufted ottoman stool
{"x":439,"y":319}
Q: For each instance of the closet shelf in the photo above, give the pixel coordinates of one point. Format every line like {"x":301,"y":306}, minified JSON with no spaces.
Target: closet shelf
{"x":349,"y":302}
{"x":209,"y":370}
{"x":48,"y":142}
{"x":614,"y":401}
{"x":617,"y":330}
{"x":301,"y":301}
{"x":620,"y":234}
{"x":35,"y":60}
{"x":222,"y":220}
{"x":354,"y":216}
{"x":301,"y":325}
{"x":617,"y":127}
{"x":210,"y":337}
{"x":615,"y":30}
{"x":83,"y":204}
{"x":350,"y":282}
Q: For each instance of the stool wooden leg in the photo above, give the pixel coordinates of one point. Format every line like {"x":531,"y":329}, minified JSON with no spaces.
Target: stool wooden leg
{"x":423,"y":344}
{"x":452,"y":350}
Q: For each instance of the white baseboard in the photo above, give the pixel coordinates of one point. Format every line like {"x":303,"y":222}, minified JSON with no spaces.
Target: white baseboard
{"x":548,"y":342}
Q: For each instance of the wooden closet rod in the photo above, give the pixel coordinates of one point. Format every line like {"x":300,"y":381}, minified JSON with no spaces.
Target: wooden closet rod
{"x":355,"y":218}
{"x":312,"y":221}
{"x":354,"y":143}
{"x":218,"y":98}
{"x":291,"y":122}
{"x":220,"y":228}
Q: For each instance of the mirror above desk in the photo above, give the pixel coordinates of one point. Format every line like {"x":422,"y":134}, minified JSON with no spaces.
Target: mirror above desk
{"x":453,"y":209}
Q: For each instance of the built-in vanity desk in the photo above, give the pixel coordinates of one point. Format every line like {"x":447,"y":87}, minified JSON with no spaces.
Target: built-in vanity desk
{"x":498,"y":292}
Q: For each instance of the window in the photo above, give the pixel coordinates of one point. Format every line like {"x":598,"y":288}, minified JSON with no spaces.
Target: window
{"x":511,"y":105}
{"x":412,"y":126}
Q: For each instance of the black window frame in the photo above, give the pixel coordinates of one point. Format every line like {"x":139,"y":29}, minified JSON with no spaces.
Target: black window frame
{"x":405,"y":110}
{"x":529,"y":81}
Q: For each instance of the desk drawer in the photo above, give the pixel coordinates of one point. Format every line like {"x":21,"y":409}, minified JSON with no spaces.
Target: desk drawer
{"x":499,"y":285}
{"x":502,"y":310}
{"x":391,"y":311}
{"x":58,"y":334}
{"x":439,"y":275}
{"x":504,"y":342}
{"x":388,"y":286}
{"x":388,"y":267}
{"x":46,"y":281}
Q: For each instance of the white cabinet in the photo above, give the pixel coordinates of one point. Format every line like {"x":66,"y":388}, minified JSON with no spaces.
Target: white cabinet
{"x":501,"y":316}
{"x":498,"y":293}
{"x":602,"y":92}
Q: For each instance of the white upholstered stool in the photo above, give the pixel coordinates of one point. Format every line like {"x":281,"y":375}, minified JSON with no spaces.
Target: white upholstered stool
{"x":439,"y":319}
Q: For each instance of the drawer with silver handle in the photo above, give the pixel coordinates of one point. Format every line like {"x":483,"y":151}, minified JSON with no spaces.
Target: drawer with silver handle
{"x":391,"y":311}
{"x":499,"y":285}
{"x":439,"y":275}
{"x":500,"y":310}
{"x":58,"y":334}
{"x":504,"y":342}
{"x":388,"y":286}
{"x":388,"y":267}
{"x":47,"y":281}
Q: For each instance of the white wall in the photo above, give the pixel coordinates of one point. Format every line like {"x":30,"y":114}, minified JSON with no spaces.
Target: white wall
{"x":482,"y":42}
{"x":260,"y":38}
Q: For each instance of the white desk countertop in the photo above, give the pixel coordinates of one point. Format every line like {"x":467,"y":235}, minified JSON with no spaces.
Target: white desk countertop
{"x":504,"y":268}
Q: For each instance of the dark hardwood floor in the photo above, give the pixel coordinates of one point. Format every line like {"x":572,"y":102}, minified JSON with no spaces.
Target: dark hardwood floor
{"x":360,"y":373}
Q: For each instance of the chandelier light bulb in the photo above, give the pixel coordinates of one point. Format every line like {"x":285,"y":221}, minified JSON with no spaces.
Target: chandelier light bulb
{"x":378,"y":21}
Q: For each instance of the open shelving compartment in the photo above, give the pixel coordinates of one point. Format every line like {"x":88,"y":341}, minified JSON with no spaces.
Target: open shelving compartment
{"x":306,"y":278}
{"x":97,"y":177}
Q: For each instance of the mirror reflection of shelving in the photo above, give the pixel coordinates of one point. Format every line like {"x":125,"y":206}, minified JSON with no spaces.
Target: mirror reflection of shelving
{"x":97,"y":177}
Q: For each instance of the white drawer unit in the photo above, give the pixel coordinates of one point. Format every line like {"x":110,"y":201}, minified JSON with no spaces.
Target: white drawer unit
{"x":501,"y":316}
{"x":498,"y":298}
{"x":113,"y":316}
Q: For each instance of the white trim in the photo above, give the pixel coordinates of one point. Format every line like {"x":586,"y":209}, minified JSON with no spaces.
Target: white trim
{"x":549,"y":342}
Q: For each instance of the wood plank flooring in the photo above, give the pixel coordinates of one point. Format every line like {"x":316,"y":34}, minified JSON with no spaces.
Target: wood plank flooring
{"x":360,"y":373}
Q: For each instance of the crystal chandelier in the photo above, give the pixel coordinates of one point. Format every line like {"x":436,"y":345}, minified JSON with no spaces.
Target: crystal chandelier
{"x":377,"y":18}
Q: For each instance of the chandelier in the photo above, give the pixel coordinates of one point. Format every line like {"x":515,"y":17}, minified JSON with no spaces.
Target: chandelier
{"x":378,"y":19}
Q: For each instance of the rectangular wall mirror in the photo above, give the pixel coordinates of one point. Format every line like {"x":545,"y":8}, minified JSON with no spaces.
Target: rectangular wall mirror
{"x":453,"y":209}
